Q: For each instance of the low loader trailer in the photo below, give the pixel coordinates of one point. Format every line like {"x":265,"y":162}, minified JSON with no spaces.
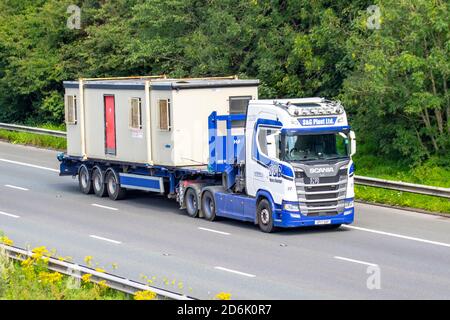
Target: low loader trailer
{"x":214,"y":147}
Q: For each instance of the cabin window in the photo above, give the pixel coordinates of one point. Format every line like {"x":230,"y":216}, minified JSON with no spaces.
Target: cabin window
{"x":239,"y":105}
{"x":71,"y":110}
{"x":135,"y":113}
{"x":164,"y":115}
{"x":269,"y":142}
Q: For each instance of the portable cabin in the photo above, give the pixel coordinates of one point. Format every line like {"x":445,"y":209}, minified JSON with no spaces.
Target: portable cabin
{"x":150,"y":120}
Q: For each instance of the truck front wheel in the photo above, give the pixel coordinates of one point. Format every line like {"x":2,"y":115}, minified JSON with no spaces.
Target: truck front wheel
{"x":84,"y":180}
{"x":265,"y":216}
{"x":191,"y":202}
{"x":115,"y":191}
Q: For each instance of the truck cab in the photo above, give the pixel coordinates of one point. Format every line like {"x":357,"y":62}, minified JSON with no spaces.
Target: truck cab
{"x":291,"y":166}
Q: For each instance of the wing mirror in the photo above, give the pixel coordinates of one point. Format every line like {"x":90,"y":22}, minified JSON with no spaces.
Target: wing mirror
{"x":352,"y":143}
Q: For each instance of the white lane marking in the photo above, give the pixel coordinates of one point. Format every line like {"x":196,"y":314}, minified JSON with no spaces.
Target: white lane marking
{"x":9,"y":215}
{"x":15,"y":187}
{"x":236,"y":272}
{"x":400,"y":236}
{"x":104,"y":207}
{"x":105,"y":239}
{"x":355,"y":261}
{"x":215,"y":231}
{"x":29,"y":165}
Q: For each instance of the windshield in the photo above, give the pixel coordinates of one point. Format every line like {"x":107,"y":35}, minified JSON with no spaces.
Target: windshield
{"x":314,"y":147}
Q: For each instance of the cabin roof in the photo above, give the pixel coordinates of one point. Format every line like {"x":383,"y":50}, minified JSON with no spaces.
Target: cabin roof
{"x":162,"y":84}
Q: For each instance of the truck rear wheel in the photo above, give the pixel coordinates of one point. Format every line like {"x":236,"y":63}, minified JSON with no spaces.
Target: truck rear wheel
{"x":115,"y":191}
{"x":209,"y":206}
{"x":265,"y":216}
{"x":84,"y":180}
{"x":98,"y":182}
{"x":191,"y":202}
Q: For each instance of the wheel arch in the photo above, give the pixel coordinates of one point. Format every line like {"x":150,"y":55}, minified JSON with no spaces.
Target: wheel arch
{"x":264,"y":194}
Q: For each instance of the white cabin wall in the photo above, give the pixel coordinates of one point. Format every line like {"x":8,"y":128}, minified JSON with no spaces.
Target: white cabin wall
{"x":186,"y":144}
{"x":162,"y":141}
{"x":130,"y":143}
{"x":74,"y":130}
{"x":191,"y":109}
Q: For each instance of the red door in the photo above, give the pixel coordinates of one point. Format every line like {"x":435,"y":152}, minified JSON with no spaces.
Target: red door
{"x":110,"y":125}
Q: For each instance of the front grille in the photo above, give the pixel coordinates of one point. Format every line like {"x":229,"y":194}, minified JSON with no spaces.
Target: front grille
{"x":322,"y":214}
{"x":325,"y":197}
{"x":323,"y":204}
{"x":321,"y":188}
{"x":321,"y":196}
{"x":333,"y":179}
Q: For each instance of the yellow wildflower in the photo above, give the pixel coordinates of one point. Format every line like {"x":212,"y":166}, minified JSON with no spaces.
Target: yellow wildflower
{"x":39,"y":252}
{"x":88,"y":260}
{"x":50,"y":277}
{"x":86,"y":278}
{"x":28,"y":262}
{"x":100,"y":270}
{"x":103,"y":284}
{"x":6,"y":240}
{"x":223,"y":296}
{"x":144,"y":295}
{"x":115,"y":266}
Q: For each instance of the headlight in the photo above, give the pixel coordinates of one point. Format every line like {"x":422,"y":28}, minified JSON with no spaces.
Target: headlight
{"x":349,"y":204}
{"x":291,"y":207}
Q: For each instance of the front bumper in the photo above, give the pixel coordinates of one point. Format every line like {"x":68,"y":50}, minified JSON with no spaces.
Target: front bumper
{"x":287,"y":219}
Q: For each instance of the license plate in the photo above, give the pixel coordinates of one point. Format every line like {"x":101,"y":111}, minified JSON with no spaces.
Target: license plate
{"x":322,"y":222}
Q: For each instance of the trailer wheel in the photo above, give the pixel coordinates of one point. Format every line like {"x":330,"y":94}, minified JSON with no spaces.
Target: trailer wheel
{"x":98,"y":182}
{"x":84,"y":180}
{"x":265,"y":216}
{"x":209,"y":206}
{"x":191,"y":202}
{"x":115,"y":191}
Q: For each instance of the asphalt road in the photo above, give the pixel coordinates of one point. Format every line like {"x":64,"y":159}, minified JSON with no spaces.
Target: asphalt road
{"x":147,"y":235}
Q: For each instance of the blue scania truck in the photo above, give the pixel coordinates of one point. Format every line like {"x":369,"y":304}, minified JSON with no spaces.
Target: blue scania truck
{"x":279,"y":164}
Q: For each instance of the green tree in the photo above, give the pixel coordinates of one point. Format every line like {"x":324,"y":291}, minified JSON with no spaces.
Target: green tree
{"x":398,"y":91}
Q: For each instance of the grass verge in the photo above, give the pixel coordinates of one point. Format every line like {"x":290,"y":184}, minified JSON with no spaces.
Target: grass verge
{"x":32,"y":139}
{"x":32,"y":280}
{"x":433,"y":172}
{"x":402,"y":199}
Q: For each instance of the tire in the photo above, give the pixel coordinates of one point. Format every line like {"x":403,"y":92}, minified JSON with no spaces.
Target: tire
{"x":208,"y":206}
{"x":115,"y":191}
{"x":98,"y":182}
{"x":84,"y":180}
{"x":265,"y":216}
{"x":192,"y":203}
